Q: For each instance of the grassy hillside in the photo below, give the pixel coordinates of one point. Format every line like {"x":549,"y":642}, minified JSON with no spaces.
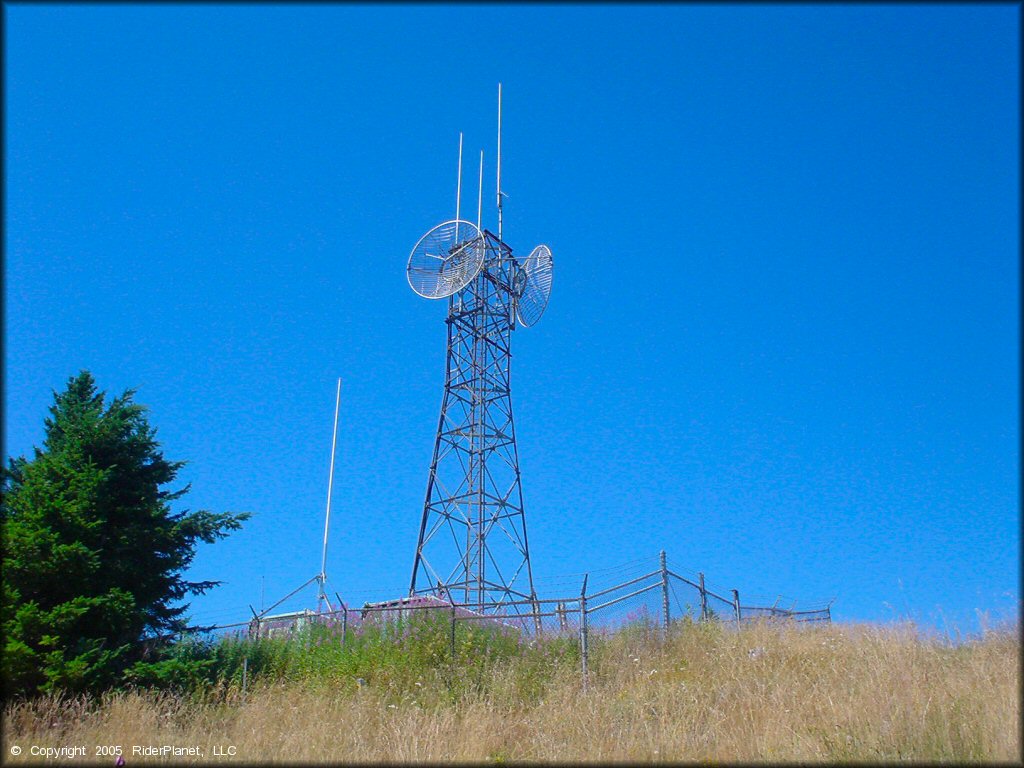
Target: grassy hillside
{"x":763,"y":693}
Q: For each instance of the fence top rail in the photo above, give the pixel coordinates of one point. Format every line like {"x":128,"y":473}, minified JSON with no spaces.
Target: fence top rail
{"x":624,"y":584}
{"x":696,"y":586}
{"x":238,"y":625}
{"x":685,"y":580}
{"x":783,"y":610}
{"x":640,"y":591}
{"x":823,"y":611}
{"x":718,"y":596}
{"x":395,"y":605}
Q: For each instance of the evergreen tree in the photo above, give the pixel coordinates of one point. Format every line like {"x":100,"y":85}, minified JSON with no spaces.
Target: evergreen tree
{"x":94,"y":555}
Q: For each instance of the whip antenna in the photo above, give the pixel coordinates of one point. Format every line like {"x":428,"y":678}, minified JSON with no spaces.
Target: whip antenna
{"x":458,"y":188}
{"x":480,"y":192}
{"x":330,"y":483}
{"x":499,"y":161}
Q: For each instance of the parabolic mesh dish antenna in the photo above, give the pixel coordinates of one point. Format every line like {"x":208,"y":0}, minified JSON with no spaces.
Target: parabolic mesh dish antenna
{"x":446,"y":259}
{"x":533,"y":285}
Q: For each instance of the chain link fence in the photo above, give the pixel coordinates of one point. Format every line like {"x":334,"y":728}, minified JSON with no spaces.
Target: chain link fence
{"x":645,"y":596}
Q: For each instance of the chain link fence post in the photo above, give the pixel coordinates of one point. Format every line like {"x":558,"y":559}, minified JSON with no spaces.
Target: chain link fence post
{"x":344,"y":618}
{"x":736,"y":605}
{"x":254,"y":624}
{"x":583,"y":630}
{"x":703,"y":598}
{"x":664,"y":594}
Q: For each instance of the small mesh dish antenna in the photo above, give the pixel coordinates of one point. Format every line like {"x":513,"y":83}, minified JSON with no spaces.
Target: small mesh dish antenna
{"x":533,"y":285}
{"x":446,"y":259}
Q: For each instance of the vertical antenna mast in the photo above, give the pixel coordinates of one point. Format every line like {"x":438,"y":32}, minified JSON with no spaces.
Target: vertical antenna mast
{"x":499,"y":161}
{"x":330,"y":483}
{"x":480,"y":192}
{"x":458,"y":190}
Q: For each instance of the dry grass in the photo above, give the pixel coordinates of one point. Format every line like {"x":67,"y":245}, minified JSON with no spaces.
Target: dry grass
{"x":831,"y":693}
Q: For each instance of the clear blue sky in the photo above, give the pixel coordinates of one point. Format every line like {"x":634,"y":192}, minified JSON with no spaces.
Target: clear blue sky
{"x":783,"y":340}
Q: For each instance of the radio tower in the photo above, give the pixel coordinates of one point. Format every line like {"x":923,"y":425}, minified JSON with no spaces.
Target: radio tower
{"x":472,"y":546}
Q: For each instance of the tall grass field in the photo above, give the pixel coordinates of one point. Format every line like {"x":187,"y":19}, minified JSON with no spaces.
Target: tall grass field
{"x":705,"y":693}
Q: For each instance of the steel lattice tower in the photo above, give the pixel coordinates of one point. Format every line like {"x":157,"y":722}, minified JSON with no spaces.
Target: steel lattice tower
{"x":472,"y":542}
{"x":472,"y":546}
